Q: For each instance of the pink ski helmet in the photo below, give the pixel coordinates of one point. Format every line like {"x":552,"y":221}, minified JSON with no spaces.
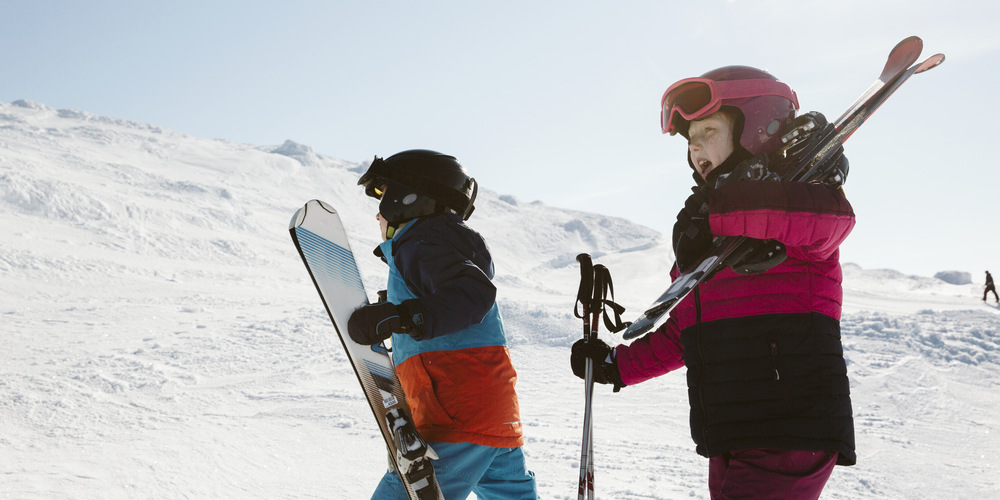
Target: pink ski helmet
{"x":766,"y":105}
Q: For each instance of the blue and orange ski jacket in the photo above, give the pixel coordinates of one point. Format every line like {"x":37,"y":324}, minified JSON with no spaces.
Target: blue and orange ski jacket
{"x":457,"y":374}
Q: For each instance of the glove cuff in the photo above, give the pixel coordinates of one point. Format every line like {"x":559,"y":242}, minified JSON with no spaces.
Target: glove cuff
{"x":411,"y":318}
{"x":614,"y":376}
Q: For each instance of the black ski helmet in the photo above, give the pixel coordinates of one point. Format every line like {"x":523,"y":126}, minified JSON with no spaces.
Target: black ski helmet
{"x":417,"y":183}
{"x":764,"y":103}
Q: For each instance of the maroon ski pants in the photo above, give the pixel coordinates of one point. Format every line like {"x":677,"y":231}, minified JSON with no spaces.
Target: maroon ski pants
{"x":770,"y":474}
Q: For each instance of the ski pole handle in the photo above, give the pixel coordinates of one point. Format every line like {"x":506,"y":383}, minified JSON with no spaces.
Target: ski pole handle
{"x":585,"y":293}
{"x":585,"y":299}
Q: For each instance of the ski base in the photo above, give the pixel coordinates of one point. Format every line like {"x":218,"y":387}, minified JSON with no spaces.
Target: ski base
{"x":322,"y":243}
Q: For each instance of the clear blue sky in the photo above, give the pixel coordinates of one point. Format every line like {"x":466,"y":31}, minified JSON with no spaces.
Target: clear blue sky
{"x":553,"y":101}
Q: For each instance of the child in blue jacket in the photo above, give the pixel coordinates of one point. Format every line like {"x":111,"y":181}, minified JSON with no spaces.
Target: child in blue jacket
{"x":448,"y":339}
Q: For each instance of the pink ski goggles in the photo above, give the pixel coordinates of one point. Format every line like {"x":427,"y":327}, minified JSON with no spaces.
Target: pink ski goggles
{"x":695,"y":98}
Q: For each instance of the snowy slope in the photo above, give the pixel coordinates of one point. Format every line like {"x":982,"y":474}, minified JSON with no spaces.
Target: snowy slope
{"x":161,"y":338}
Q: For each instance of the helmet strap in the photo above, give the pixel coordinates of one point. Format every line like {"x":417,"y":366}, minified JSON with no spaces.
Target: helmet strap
{"x":472,"y":200}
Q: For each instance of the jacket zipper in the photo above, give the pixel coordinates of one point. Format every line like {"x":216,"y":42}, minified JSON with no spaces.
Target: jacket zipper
{"x":701,"y":357}
{"x":774,"y":360}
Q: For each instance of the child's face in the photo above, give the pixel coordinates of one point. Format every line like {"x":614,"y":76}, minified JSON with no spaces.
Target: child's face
{"x":710,"y":142}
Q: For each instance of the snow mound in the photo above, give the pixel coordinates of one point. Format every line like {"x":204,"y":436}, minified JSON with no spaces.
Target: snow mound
{"x":954,"y":277}
{"x":300,"y":152}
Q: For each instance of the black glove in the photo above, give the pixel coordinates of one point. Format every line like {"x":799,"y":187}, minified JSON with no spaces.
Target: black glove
{"x":805,"y":135}
{"x":605,"y":368}
{"x":374,"y":323}
{"x":692,"y":233}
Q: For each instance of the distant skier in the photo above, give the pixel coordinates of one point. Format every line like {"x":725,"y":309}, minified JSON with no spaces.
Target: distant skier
{"x":990,"y":288}
{"x":448,"y":340}
{"x":767,"y":380}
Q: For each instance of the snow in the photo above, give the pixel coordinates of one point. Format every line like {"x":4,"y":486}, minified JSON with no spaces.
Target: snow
{"x":161,"y":338}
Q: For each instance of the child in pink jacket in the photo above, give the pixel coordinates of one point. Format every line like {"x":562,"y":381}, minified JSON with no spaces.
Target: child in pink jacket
{"x":767,"y":380}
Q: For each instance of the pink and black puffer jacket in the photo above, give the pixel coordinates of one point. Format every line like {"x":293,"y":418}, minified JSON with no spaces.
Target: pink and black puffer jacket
{"x":764,"y":357}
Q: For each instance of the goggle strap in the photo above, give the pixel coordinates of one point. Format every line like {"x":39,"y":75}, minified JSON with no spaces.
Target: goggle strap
{"x":755,"y":88}
{"x":738,"y":89}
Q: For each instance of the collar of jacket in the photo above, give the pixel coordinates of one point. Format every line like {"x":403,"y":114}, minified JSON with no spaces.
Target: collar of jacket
{"x":391,"y":242}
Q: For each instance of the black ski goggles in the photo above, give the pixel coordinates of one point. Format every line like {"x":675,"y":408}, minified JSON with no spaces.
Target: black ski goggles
{"x":374,"y":179}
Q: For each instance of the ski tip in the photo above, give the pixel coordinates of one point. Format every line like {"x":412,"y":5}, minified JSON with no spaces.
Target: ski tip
{"x":322,"y":204}
{"x":297,"y":218}
{"x":637,"y":328}
{"x":901,"y":57}
{"x":931,"y":62}
{"x":300,"y":214}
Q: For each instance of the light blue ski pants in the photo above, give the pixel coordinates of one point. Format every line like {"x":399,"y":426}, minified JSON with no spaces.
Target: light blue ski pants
{"x":463,"y":468}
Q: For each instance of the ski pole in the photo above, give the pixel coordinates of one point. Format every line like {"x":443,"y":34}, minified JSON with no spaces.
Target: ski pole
{"x":584,"y":299}
{"x":592,"y":298}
